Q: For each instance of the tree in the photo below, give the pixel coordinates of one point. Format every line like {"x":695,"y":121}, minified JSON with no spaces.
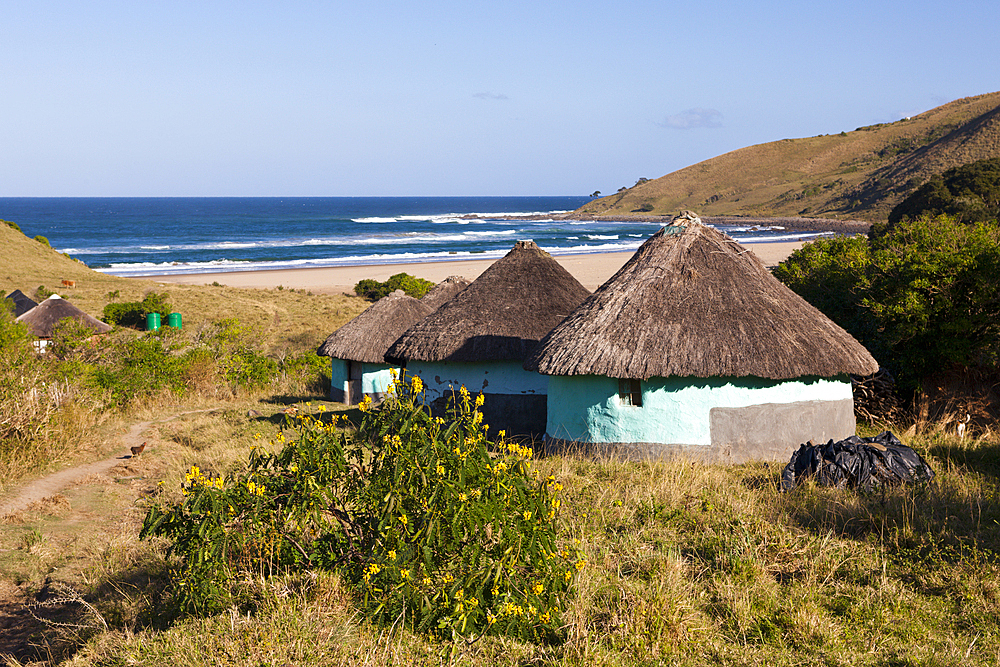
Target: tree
{"x":595,"y":194}
{"x":920,"y":295}
{"x":970,"y":192}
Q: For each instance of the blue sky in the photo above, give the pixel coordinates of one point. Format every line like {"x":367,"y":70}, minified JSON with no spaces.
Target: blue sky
{"x":452,"y":98}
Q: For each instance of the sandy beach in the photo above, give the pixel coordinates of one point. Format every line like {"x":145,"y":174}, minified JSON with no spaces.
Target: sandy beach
{"x":591,"y":270}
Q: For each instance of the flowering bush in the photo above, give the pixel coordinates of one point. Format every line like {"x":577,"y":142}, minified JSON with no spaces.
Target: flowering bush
{"x":434,"y":525}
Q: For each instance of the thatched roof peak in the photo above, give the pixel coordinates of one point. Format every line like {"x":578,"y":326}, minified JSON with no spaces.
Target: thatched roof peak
{"x":22,"y":303}
{"x":367,"y":337}
{"x":500,"y":315}
{"x":693,"y":302}
{"x":43,"y":318}
{"x":444,"y":291}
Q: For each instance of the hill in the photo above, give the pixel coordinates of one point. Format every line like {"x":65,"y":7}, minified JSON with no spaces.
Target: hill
{"x":859,"y":175}
{"x":284,"y":319}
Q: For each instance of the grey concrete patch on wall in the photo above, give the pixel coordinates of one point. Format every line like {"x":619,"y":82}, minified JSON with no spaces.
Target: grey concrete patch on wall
{"x":772,"y":431}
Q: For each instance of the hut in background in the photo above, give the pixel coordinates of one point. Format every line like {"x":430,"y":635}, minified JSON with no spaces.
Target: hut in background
{"x":481,"y":337}
{"x":20,"y":302}
{"x":694,"y":346}
{"x":444,"y":291}
{"x":43,"y":318}
{"x":357,"y":349}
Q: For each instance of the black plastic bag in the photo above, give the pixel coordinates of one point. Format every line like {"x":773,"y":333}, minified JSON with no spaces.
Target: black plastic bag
{"x":864,"y":463}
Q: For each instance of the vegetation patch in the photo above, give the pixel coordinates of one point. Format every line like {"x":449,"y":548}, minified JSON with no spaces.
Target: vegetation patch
{"x":374,"y":290}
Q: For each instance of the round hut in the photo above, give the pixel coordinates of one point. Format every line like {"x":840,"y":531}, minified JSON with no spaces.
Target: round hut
{"x":444,"y":291}
{"x":480,"y":338}
{"x":357,"y":349}
{"x":43,"y":318}
{"x":693,"y":346}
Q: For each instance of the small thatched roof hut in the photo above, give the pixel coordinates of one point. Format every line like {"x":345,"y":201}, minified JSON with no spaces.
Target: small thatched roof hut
{"x":43,"y":318}
{"x":694,"y":346}
{"x":444,"y":291}
{"x":481,"y":336}
{"x":21,"y":302}
{"x":501,"y":315}
{"x":358,"y":348}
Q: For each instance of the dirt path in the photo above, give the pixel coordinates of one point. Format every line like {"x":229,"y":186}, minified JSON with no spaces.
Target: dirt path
{"x":50,"y":485}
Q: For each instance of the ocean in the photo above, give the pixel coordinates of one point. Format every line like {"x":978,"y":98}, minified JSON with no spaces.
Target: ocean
{"x":140,"y":236}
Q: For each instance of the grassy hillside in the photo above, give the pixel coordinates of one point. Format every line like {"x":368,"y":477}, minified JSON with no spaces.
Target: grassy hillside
{"x":283,"y":318}
{"x":860,"y":174}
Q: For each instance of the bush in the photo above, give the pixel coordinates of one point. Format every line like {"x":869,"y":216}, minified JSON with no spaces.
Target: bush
{"x":970,"y":193}
{"x":12,"y":225}
{"x":44,"y":241}
{"x":919,"y":296}
{"x":373,"y":290}
{"x":24,"y":406}
{"x":433,"y":526}
{"x":133,"y":313}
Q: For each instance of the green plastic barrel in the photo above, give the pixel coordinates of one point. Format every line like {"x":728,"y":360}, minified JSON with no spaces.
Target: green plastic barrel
{"x":174,"y":320}
{"x":152,"y":321}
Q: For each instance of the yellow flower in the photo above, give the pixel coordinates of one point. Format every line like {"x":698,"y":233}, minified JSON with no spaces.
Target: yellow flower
{"x":537,"y":589}
{"x":568,"y":575}
{"x":580,"y":563}
{"x":416,"y":385}
{"x":462,"y":497}
{"x":440,"y":469}
{"x":426,"y":581}
{"x":392,"y":554}
{"x":527,"y":515}
{"x":403,"y":519}
{"x":322,"y":408}
{"x":404,"y":574}
{"x":480,"y":399}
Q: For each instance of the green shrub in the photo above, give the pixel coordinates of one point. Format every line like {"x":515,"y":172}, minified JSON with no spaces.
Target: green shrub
{"x":920,"y":295}
{"x":44,"y":241}
{"x":12,"y":225}
{"x":41,"y":294}
{"x":374,"y":290}
{"x":23,"y":410}
{"x":433,"y":526}
{"x":970,"y":192}
{"x":133,"y":313}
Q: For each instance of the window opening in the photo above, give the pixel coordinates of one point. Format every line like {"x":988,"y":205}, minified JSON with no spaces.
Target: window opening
{"x":630,"y":392}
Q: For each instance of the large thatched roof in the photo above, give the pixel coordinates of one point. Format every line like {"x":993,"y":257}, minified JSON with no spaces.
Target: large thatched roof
{"x":21,"y":302}
{"x":693,"y":302}
{"x":501,"y":315}
{"x":369,"y":335}
{"x":43,"y":318}
{"x":444,"y":291}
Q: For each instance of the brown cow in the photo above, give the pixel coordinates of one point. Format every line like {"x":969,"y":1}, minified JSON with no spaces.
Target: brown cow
{"x":69,"y":283}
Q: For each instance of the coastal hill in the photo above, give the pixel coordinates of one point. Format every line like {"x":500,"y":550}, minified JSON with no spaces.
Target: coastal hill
{"x":858,"y":175}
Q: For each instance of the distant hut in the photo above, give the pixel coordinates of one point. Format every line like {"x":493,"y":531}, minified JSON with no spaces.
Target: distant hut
{"x":20,"y":302}
{"x":358,"y":348}
{"x":480,"y":338}
{"x":694,"y":346}
{"x":444,"y":291}
{"x":43,"y":318}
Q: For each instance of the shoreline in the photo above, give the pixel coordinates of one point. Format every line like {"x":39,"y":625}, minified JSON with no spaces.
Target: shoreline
{"x":591,"y":269}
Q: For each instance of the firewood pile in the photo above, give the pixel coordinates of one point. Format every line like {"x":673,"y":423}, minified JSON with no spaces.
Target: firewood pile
{"x":875,"y":399}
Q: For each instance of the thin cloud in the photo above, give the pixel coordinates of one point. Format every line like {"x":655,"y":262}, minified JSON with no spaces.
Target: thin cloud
{"x":692,"y":118}
{"x":490,"y":96}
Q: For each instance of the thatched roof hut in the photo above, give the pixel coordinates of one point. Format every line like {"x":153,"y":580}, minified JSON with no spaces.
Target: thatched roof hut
{"x":21,"y":302}
{"x":43,"y":318}
{"x":367,"y":337}
{"x":694,"y":302}
{"x":444,"y":291}
{"x":693,"y":346}
{"x":357,"y":349}
{"x":502,"y":315}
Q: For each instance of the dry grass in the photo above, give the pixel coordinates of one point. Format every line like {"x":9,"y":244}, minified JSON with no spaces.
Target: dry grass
{"x":687,"y":564}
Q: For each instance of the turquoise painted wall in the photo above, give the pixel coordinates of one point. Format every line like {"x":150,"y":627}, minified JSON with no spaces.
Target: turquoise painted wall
{"x":586,"y":408}
{"x":490,"y":377}
{"x":375,"y":378}
{"x":338,"y":379}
